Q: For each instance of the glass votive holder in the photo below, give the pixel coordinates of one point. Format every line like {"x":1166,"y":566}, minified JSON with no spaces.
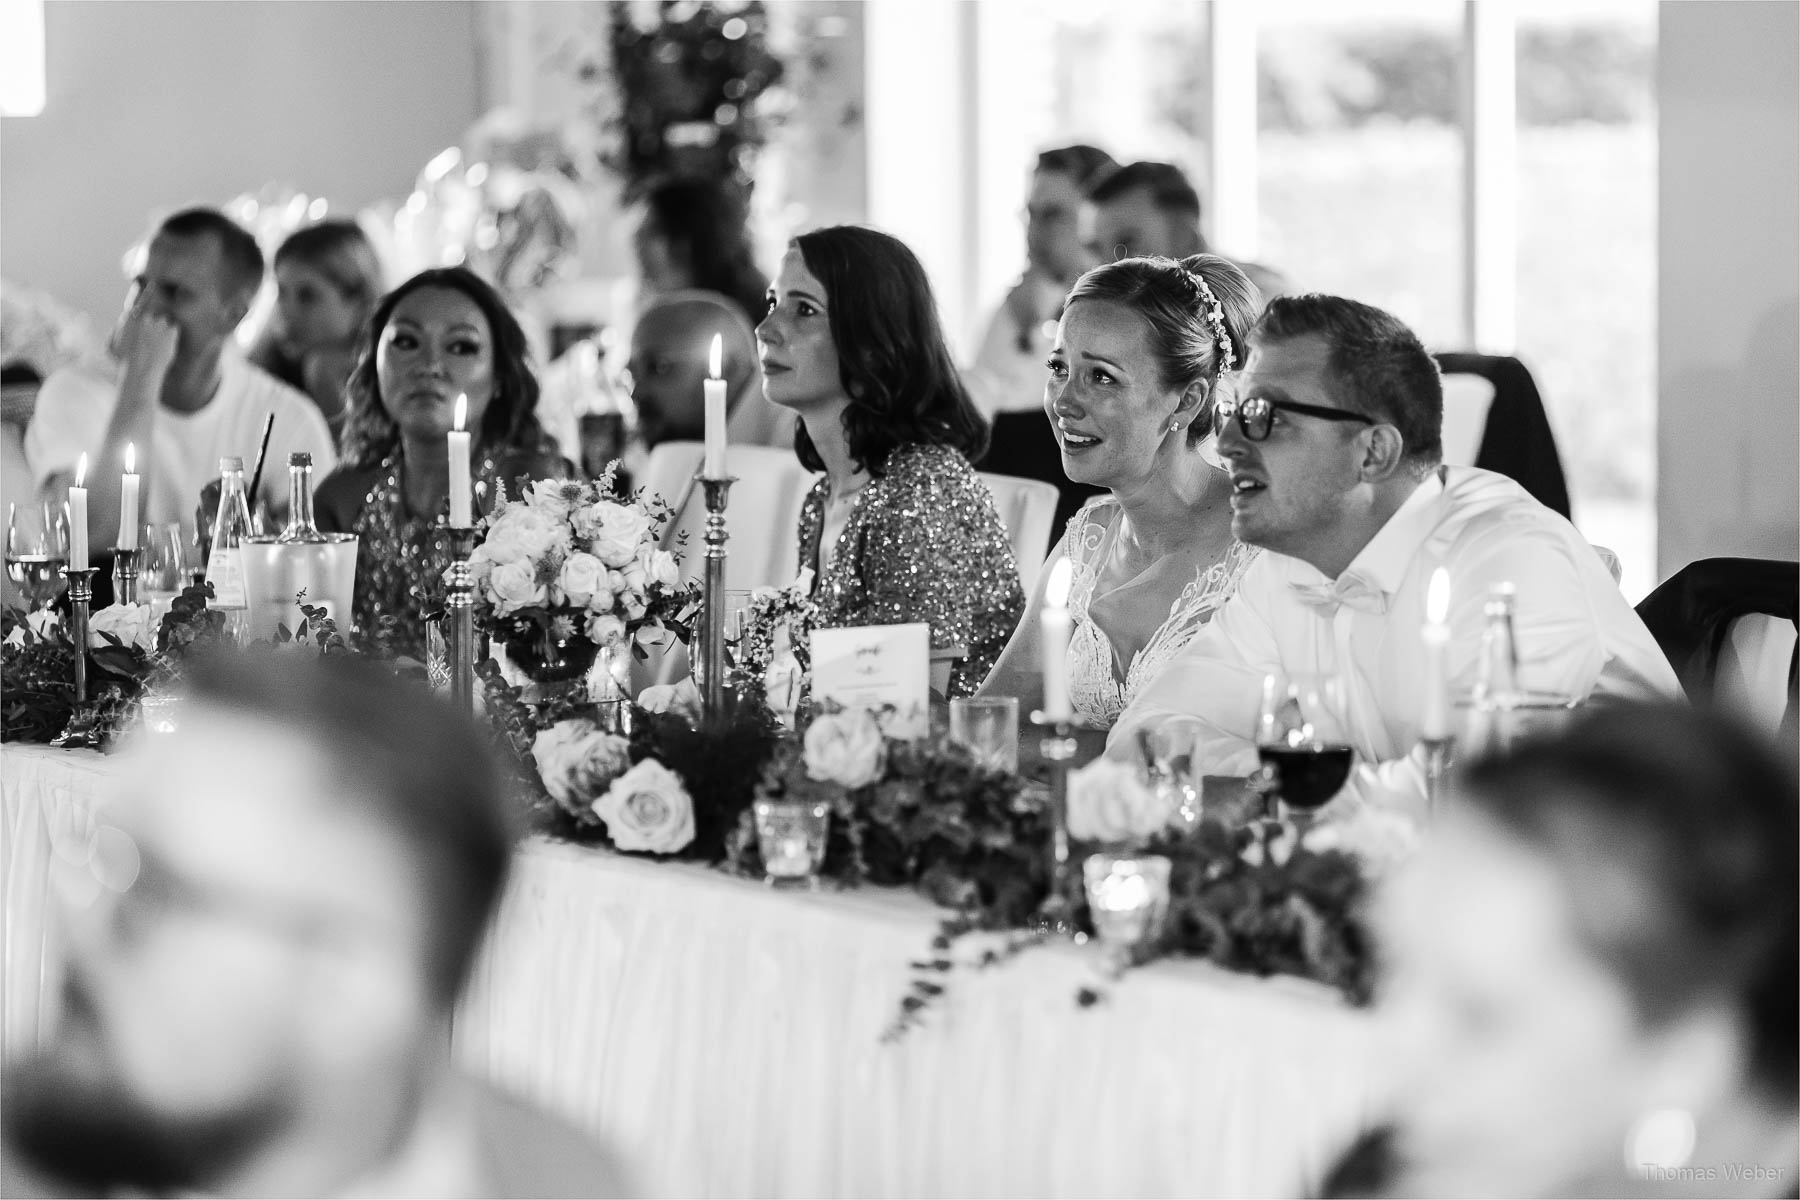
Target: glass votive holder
{"x":790,"y":834}
{"x":162,"y":713}
{"x":988,"y":727}
{"x":1128,"y":895}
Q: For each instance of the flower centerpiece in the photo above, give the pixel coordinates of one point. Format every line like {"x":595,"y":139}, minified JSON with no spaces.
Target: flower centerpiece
{"x":572,"y":569}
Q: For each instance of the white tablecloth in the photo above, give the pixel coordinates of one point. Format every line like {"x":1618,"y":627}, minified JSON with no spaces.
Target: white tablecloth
{"x":726,"y":1039}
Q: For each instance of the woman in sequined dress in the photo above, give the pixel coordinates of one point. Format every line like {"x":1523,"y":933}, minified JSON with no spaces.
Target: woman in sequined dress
{"x":900,"y":528}
{"x":442,"y":333}
{"x":1142,"y":349}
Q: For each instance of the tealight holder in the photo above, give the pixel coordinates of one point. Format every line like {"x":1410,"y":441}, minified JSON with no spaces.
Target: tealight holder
{"x":790,"y":835}
{"x":162,"y":713}
{"x":125,"y":575}
{"x":1128,"y":896}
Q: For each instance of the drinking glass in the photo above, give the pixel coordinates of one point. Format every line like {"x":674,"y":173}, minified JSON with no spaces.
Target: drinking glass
{"x":791,"y":837}
{"x":988,"y":726}
{"x":1300,"y":736}
{"x":163,"y":566}
{"x":37,"y":550}
{"x":1171,"y":761}
{"x":737,"y":613}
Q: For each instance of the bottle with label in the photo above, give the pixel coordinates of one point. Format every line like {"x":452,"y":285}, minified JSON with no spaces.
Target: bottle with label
{"x":1496,"y":693}
{"x":781,"y":681}
{"x":225,"y":561}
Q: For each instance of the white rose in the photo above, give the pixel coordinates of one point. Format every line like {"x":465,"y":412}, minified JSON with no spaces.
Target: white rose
{"x":130,"y":623}
{"x":582,"y":576}
{"x":664,"y":569}
{"x":647,"y":809}
{"x":553,"y":497}
{"x":845,"y":748}
{"x":605,"y":630}
{"x":620,"y":530}
{"x":514,"y":585}
{"x":682,"y":699}
{"x":1110,"y":802}
{"x":522,"y":532}
{"x":576,"y":759}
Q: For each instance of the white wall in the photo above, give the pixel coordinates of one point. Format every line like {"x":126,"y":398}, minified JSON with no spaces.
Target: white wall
{"x":153,"y":106}
{"x":1728,"y":241}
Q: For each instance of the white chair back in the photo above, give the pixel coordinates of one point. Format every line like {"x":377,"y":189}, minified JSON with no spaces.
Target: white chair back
{"x":1467,"y":399}
{"x":1027,"y":507}
{"x":762,"y":517}
{"x":1751,"y":678}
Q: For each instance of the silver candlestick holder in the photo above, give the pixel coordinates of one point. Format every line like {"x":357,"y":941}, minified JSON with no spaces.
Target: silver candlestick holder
{"x":125,"y":575}
{"x":1440,"y":757}
{"x":1058,"y":745}
{"x":711,"y":663}
{"x":81,"y":597}
{"x":459,"y":618}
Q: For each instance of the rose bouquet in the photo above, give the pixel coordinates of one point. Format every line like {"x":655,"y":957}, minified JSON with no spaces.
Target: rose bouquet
{"x":572,"y":568}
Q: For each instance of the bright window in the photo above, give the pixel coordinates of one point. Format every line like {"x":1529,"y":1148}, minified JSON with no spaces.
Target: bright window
{"x":21,"y":58}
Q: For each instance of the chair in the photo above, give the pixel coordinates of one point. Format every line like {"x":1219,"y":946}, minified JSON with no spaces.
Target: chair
{"x":762,"y":518}
{"x":1728,"y":626}
{"x":1027,"y":508}
{"x":1516,"y":439}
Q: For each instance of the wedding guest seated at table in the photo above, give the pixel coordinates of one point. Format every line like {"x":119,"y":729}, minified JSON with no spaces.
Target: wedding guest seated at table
{"x":263,"y":1007}
{"x":1591,"y":971}
{"x":327,"y":278}
{"x":693,"y":236}
{"x":443,"y":333}
{"x":1006,"y":379}
{"x":1151,"y":208}
{"x":1143,"y":351}
{"x":185,"y":397}
{"x":669,"y":348}
{"x":1334,"y":445}
{"x":900,"y":529}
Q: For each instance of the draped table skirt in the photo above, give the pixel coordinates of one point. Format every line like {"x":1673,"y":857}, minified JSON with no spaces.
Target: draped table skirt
{"x":726,"y":1039}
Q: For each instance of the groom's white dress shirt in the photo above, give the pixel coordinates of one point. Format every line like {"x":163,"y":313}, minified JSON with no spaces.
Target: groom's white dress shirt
{"x":1576,"y":634}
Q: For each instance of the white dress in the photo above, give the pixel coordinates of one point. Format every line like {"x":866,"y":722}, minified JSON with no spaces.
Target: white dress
{"x":1094,"y":690}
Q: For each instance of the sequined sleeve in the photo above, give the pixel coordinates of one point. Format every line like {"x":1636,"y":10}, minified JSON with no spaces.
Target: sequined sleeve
{"x":926,"y":544}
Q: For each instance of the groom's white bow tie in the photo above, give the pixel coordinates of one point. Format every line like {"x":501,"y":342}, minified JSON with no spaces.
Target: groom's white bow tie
{"x":1347,"y":591}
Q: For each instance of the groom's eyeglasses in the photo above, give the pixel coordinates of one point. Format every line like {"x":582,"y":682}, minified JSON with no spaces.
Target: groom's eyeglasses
{"x":1256,"y":415}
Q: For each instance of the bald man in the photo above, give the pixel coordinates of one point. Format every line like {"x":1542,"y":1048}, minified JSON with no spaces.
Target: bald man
{"x":669,"y":350}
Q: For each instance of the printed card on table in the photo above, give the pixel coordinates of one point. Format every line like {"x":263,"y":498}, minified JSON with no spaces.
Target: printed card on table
{"x":876,"y":667}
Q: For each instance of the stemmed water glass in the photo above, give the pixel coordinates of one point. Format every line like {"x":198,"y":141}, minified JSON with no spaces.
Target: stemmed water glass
{"x":1302,"y":741}
{"x":1170,"y":762}
{"x":164,"y":566}
{"x":37,"y":550}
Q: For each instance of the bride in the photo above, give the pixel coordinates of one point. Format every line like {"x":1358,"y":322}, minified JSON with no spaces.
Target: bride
{"x":1142,"y":349}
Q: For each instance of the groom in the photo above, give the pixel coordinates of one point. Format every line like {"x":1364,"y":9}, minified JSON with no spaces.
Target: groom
{"x":1334,"y":448}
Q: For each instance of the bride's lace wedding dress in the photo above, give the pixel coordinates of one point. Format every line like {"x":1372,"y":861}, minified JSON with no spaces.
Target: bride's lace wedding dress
{"x":1097,"y":693}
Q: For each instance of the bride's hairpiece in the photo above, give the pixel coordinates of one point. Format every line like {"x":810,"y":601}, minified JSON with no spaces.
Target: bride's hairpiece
{"x":1215,"y":317}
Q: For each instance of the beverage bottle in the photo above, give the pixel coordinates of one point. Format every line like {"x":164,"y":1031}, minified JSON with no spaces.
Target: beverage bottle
{"x":225,"y":561}
{"x":300,"y":526}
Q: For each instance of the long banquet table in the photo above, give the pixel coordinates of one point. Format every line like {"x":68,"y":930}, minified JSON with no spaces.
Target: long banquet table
{"x":726,"y":1039}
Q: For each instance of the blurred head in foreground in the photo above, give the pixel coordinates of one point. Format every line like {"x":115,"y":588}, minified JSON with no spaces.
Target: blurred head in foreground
{"x":1593,"y":968}
{"x":301,"y":877}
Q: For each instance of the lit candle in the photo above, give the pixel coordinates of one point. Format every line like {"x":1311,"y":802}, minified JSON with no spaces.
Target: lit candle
{"x":78,"y":548}
{"x":1434,"y":722}
{"x":714,"y":465}
{"x":128,"y":501}
{"x":461,"y":508}
{"x":1054,"y":639}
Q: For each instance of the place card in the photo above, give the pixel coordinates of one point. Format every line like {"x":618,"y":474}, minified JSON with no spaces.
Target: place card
{"x":886,"y":668}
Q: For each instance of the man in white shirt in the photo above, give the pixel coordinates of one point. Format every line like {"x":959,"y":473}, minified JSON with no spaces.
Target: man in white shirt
{"x":1334,"y":447}
{"x":185,"y":396}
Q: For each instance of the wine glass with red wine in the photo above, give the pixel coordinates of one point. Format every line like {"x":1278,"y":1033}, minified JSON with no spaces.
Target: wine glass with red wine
{"x":1303,"y":743}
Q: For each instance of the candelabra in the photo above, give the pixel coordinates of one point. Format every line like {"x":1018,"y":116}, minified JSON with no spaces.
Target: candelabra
{"x":711,"y":663}
{"x":459,"y":618}
{"x":125,"y":576}
{"x":1057,"y":746}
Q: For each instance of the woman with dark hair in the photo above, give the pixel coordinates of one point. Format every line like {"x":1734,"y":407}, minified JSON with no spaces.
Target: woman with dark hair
{"x":1142,"y":350}
{"x":900,"y":529}
{"x":443,"y":333}
{"x":327,"y":278}
{"x":693,"y":236}
{"x":1590,"y":971}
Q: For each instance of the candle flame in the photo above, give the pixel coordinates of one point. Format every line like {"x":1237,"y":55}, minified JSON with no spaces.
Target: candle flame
{"x":80,"y":470}
{"x":462,"y":410}
{"x":130,"y":457}
{"x":715,"y":360}
{"x":1437,"y":597}
{"x":1056,"y":592}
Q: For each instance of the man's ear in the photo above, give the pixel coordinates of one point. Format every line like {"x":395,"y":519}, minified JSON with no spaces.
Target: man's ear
{"x":1384,"y":453}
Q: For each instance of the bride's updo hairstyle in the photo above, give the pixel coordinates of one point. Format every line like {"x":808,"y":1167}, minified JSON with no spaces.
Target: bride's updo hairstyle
{"x":1199,"y":311}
